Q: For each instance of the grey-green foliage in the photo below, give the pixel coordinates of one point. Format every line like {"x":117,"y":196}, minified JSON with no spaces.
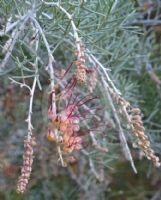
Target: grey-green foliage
{"x":106,"y":30}
{"x":104,"y":27}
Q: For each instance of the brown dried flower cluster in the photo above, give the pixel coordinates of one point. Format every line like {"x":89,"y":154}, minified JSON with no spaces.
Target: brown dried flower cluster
{"x":137,"y":127}
{"x":92,"y":80}
{"x":142,"y":139}
{"x":27,"y":165}
{"x":81,"y":67}
{"x":119,"y":99}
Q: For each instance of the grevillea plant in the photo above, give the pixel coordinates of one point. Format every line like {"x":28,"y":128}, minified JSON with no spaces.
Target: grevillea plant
{"x":64,"y":127}
{"x":30,"y":38}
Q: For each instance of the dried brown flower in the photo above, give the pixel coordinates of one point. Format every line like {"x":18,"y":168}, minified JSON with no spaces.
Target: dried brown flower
{"x":27,"y":164}
{"x":92,"y":80}
{"x":81,"y":67}
{"x":142,"y":139}
{"x":135,"y":121}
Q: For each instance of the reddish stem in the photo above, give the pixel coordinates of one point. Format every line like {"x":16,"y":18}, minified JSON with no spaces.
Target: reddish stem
{"x":68,"y":68}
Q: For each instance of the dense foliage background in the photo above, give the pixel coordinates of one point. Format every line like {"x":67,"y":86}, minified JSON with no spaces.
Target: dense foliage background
{"x":125,"y":37}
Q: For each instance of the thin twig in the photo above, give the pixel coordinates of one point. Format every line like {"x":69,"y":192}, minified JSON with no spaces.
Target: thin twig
{"x":28,"y":120}
{"x":51,"y":74}
{"x":50,"y":62}
{"x":121,"y":133}
{"x":108,"y":84}
{"x":9,"y":27}
{"x":75,"y":30}
{"x":94,"y":60}
{"x":19,"y":83}
{"x":16,"y":35}
{"x":91,"y":164}
{"x":30,"y":127}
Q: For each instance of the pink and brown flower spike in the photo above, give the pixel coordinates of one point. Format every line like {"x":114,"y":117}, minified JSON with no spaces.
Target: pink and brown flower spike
{"x":67,"y":122}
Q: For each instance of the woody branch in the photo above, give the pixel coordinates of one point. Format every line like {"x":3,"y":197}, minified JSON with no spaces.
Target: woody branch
{"x":50,"y":69}
{"x":108,"y":84}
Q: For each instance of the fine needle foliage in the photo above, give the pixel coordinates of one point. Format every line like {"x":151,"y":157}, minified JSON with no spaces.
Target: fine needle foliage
{"x":80,"y":99}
